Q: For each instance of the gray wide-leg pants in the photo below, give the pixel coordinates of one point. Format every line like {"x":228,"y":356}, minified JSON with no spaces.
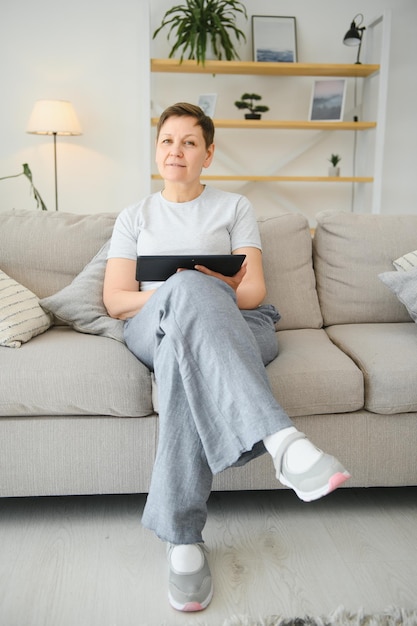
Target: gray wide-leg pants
{"x":215,"y":402}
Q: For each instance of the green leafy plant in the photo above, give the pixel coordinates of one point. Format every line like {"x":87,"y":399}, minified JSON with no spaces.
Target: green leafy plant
{"x":335,"y":159}
{"x":26,"y":172}
{"x":197,"y":23}
{"x":247,"y":101}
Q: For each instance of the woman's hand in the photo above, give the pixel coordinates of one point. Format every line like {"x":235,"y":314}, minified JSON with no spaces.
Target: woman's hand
{"x":232,"y":281}
{"x":249,"y":282}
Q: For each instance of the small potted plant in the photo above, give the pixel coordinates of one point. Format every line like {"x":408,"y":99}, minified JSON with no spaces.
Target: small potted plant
{"x":247,"y":101}
{"x":203,"y":26}
{"x":334,"y":160}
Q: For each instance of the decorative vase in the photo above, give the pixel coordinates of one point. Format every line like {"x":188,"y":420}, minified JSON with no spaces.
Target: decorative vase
{"x":334,"y":171}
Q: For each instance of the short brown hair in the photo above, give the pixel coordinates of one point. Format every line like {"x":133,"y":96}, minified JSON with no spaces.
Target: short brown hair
{"x":182,"y":109}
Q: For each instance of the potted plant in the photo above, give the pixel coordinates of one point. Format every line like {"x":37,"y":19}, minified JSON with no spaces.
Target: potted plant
{"x":334,"y":160}
{"x":247,"y":102}
{"x":201,"y":25}
{"x":26,"y":172}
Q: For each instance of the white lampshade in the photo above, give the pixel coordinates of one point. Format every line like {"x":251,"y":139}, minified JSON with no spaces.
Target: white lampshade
{"x":53,"y":117}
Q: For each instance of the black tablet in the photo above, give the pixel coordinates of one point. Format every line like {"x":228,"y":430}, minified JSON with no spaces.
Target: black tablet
{"x":163,"y":266}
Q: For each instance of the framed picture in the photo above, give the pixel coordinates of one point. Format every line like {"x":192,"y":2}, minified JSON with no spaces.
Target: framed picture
{"x":274,"y":39}
{"x":328,"y":100}
{"x":207,"y":102}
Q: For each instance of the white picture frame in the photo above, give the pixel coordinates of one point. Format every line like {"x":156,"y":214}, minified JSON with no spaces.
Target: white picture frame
{"x":274,"y":39}
{"x":327,"y":102}
{"x":207,"y":102}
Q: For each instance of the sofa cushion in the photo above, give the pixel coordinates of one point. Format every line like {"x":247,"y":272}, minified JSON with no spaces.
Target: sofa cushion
{"x":21,"y":317}
{"x":403,"y":285}
{"x":289,"y":275}
{"x":312,"y":376}
{"x":63,"y":372}
{"x":80,"y":304}
{"x":44,"y":251}
{"x":387,"y":356}
{"x":350,"y":250}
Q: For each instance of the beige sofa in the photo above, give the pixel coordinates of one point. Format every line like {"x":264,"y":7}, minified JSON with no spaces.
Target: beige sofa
{"x":76,"y":408}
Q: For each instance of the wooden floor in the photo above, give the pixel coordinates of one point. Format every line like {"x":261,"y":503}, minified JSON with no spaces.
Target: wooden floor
{"x":86,"y":561}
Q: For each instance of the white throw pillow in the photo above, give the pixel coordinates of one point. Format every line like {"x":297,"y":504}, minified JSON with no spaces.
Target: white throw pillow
{"x":21,"y":316}
{"x":404,"y":286}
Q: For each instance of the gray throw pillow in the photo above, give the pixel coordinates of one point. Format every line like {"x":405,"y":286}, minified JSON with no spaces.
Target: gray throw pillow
{"x":80,"y":304}
{"x":404,"y":286}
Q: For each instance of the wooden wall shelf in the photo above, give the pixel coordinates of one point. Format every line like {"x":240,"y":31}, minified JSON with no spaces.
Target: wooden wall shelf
{"x":263,"y":68}
{"x":286,"y":124}
{"x":284,"y":179}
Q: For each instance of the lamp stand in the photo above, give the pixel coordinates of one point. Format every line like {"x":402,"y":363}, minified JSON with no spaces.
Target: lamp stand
{"x":56,"y":175}
{"x":54,"y":117}
{"x":359,"y":51}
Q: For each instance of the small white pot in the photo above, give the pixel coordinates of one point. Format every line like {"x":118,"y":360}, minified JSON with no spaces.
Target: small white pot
{"x":334,"y":171}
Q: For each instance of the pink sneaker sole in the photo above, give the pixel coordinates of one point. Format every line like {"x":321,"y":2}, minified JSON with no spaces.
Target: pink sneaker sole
{"x":337,"y":480}
{"x":192,"y":606}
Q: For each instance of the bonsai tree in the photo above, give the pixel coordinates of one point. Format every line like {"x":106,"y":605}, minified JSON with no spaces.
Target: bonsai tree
{"x":247,"y":101}
{"x":26,"y":172}
{"x":197,"y":24}
{"x":335,"y":159}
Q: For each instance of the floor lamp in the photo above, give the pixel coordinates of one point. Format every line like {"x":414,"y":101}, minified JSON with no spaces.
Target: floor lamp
{"x":54,"y":117}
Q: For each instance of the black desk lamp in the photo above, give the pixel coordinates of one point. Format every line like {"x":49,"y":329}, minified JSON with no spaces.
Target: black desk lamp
{"x":354,"y":35}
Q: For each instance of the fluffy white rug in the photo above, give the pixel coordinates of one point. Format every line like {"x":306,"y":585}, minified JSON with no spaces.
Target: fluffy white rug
{"x":393,"y":616}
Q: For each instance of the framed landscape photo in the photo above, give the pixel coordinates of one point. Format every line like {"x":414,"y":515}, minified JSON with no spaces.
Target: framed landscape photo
{"x":274,"y":39}
{"x":328,"y":100}
{"x":207,"y":102}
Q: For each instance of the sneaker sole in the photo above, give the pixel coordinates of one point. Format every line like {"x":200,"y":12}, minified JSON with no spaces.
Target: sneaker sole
{"x":309,"y":496}
{"x":190,"y":607}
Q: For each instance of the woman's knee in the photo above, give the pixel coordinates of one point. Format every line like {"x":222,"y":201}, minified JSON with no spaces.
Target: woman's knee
{"x":194,"y":285}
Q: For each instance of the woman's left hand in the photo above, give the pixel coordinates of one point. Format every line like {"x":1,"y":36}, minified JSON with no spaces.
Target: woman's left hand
{"x":248,"y":283}
{"x":232,"y":281}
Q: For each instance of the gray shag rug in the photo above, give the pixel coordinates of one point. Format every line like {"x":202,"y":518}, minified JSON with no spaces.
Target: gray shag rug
{"x":393,"y":616}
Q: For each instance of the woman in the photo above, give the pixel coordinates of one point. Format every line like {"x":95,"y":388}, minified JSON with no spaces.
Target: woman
{"x":207,"y":337}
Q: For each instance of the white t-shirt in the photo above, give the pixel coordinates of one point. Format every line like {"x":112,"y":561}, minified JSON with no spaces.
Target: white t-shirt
{"x":217,"y":222}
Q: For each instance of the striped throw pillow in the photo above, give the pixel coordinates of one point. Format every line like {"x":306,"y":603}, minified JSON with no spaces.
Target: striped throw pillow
{"x":21,"y":316}
{"x":406,"y":262}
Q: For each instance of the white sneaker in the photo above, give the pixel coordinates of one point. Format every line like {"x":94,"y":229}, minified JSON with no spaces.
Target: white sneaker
{"x":321,"y":478}
{"x":190,"y":591}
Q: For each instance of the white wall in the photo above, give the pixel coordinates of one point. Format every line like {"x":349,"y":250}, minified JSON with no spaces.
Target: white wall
{"x":95,"y":54}
{"x":321,"y":26}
